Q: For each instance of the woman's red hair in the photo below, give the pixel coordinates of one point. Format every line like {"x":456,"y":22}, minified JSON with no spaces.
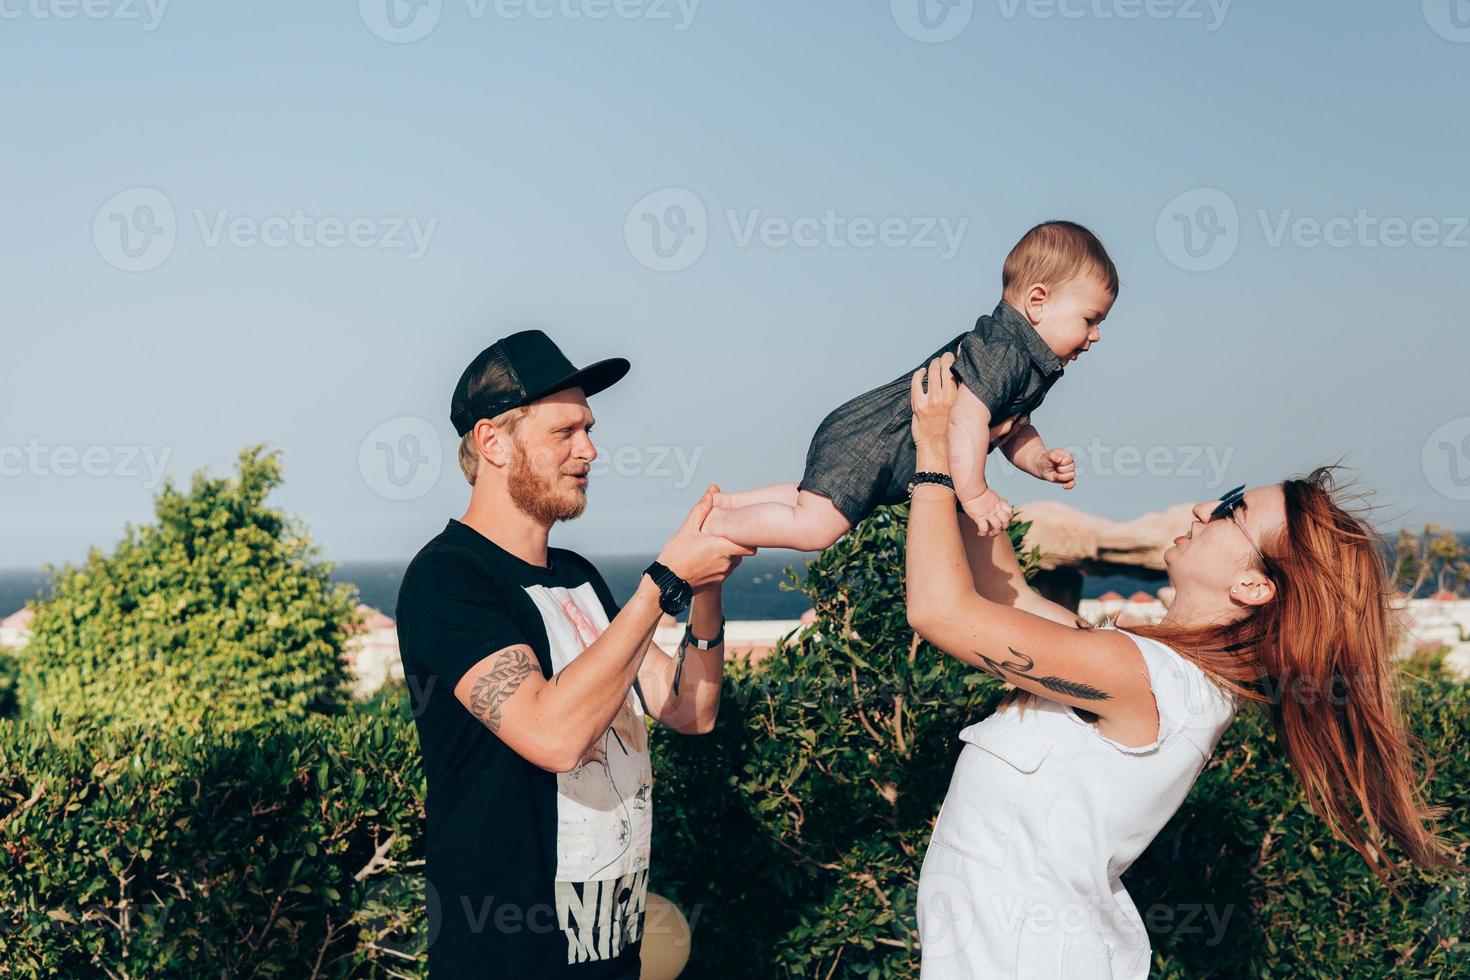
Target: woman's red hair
{"x":1318,"y":656}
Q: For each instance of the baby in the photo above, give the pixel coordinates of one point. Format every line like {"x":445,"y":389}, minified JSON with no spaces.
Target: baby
{"x":1057,"y":286}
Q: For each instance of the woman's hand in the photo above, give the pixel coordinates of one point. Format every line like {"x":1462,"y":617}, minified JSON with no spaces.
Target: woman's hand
{"x":932,"y":403}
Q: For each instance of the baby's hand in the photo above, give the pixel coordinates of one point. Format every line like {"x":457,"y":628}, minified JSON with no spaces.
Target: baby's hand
{"x":990,"y":512}
{"x":1057,"y":466}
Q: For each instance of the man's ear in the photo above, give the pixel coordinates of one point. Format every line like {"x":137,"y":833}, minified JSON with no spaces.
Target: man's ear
{"x":1035,"y":302}
{"x":1252,"y":589}
{"x":493,"y":443}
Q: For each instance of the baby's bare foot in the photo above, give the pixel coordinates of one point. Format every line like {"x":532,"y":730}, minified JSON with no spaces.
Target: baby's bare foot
{"x":712,"y":521}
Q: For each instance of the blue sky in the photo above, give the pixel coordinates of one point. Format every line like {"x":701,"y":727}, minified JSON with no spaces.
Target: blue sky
{"x":327,"y":215}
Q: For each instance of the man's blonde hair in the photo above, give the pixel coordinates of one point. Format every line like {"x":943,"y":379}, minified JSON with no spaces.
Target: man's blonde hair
{"x":469,"y":453}
{"x":1053,"y":253}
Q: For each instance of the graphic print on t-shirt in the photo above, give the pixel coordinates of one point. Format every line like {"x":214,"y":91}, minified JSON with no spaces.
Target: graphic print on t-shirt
{"x":604,"y":806}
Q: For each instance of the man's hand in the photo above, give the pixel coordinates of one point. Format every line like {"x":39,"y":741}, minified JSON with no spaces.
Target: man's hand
{"x":1057,"y":466}
{"x":714,"y":493}
{"x":702,"y":560}
{"x":991,"y":513}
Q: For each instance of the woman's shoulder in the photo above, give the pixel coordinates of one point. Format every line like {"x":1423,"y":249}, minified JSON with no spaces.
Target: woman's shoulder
{"x":1185,"y":695}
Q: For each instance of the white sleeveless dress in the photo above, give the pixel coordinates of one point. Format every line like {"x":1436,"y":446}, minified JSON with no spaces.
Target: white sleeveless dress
{"x":1043,"y":815}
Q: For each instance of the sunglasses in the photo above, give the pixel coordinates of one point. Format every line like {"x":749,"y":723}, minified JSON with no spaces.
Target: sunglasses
{"x":1226,"y":508}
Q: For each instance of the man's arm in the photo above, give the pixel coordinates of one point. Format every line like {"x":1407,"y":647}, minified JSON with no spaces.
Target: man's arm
{"x":694,"y":709}
{"x":552,"y":723}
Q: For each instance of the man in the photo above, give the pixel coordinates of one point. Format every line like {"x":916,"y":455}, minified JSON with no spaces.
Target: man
{"x":533,"y":686}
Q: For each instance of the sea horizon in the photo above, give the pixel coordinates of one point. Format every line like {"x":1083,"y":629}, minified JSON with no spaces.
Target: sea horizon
{"x":753,"y":592}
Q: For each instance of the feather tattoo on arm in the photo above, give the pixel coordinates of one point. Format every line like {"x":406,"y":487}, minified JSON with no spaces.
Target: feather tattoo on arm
{"x":503,"y":680}
{"x":1021,"y":667}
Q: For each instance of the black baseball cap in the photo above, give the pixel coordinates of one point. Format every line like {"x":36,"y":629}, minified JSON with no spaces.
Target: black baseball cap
{"x":519,"y":369}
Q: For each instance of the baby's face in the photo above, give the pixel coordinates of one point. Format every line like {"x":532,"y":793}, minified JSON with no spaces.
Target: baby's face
{"x":1070,"y":316}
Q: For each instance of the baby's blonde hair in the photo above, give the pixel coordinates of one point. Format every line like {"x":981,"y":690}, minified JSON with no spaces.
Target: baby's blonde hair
{"x":469,"y":453}
{"x":1053,"y":253}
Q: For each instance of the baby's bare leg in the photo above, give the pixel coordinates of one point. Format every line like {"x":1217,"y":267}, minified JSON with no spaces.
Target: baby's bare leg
{"x":776,"y":493}
{"x":812,"y":524}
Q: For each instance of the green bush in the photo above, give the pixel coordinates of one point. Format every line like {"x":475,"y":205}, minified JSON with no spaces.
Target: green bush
{"x":792,"y":836}
{"x":223,"y":854}
{"x":9,"y":680}
{"x":794,"y":833}
{"x":216,"y":614}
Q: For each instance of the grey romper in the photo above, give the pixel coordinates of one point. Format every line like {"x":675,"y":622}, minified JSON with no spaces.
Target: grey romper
{"x":863,"y":452}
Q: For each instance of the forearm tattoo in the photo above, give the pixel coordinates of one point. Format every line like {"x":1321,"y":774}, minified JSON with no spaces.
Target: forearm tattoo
{"x":496,"y":687}
{"x":1022,"y":664}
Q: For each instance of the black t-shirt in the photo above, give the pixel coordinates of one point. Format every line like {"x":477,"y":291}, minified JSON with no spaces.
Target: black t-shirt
{"x":530,"y":873}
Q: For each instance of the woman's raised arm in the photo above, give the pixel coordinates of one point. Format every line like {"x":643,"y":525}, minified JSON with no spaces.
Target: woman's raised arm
{"x":1101,"y":671}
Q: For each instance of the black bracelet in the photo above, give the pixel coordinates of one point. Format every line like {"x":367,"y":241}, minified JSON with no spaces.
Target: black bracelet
{"x":683,"y":649}
{"x":926,"y":476}
{"x":699,"y":644}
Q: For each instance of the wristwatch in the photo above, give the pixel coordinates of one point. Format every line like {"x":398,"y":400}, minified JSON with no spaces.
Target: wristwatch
{"x":674,"y":594}
{"x":926,"y":476}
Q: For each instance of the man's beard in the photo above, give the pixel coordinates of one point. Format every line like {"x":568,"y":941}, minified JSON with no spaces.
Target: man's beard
{"x":537,"y":493}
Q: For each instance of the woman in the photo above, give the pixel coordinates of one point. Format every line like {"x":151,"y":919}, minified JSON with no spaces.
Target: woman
{"x":1280,"y":597}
